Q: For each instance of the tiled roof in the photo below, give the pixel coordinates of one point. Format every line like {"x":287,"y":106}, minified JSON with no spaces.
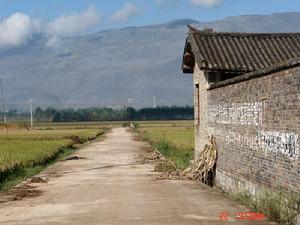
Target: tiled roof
{"x":278,"y":67}
{"x":238,"y":52}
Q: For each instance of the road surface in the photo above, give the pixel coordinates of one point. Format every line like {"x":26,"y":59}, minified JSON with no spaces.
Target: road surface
{"x":112,"y":185}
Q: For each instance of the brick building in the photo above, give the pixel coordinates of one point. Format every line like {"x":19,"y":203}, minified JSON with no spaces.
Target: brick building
{"x":247,"y":95}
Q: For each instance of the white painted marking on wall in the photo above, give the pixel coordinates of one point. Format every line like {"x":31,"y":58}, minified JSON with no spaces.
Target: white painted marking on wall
{"x":237,"y":113}
{"x":277,"y":142}
{"x":268,"y":141}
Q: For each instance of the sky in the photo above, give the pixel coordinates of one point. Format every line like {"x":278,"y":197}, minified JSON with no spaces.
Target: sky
{"x":21,"y":19}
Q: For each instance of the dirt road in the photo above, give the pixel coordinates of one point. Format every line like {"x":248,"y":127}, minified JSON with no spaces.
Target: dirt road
{"x":112,"y":185}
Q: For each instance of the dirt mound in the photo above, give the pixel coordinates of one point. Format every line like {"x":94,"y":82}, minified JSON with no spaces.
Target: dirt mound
{"x":20,"y":192}
{"x":38,"y":180}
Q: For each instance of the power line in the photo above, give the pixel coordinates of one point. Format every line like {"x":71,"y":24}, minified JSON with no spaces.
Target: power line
{"x":97,"y":101}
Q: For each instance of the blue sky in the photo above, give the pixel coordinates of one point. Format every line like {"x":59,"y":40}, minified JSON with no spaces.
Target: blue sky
{"x":20,"y":20}
{"x":148,"y":11}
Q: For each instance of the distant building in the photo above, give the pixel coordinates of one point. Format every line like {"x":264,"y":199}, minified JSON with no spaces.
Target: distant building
{"x":247,"y":95}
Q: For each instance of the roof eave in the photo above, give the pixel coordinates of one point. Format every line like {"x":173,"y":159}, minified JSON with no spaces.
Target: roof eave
{"x":188,"y":59}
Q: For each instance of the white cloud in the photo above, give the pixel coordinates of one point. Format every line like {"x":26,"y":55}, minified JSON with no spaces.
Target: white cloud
{"x":124,"y":14}
{"x":207,"y":3}
{"x":54,"y":42}
{"x":17,"y":29}
{"x":74,"y":24}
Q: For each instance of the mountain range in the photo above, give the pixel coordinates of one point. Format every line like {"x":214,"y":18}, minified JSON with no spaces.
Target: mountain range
{"x":118,"y":66}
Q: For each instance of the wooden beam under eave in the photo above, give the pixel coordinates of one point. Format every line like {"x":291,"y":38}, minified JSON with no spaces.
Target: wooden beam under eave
{"x":187,"y":69}
{"x":189,"y":59}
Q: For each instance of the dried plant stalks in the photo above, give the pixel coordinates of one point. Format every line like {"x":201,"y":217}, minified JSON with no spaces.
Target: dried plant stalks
{"x":153,"y":156}
{"x":203,"y":167}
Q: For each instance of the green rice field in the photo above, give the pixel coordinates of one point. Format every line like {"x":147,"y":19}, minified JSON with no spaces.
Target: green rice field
{"x":21,"y":148}
{"x":174,"y":139}
{"x":24,"y":152}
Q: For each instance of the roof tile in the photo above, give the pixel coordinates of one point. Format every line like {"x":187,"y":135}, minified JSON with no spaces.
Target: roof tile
{"x":241,"y":52}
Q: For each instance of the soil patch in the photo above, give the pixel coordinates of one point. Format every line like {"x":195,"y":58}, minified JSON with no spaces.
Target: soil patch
{"x":19,"y":193}
{"x":74,"y":157}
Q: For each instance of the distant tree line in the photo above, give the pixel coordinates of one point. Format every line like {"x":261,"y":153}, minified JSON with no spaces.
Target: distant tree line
{"x":105,"y":114}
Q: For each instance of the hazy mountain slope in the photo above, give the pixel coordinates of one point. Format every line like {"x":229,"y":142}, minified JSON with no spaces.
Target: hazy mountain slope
{"x":115,"y":65}
{"x":277,"y":22}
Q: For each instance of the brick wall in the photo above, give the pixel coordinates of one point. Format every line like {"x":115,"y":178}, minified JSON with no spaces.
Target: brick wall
{"x":256,"y":123}
{"x":201,"y":109}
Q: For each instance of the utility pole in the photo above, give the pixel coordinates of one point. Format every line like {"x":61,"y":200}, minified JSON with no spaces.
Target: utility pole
{"x":31,"y":113}
{"x":129,"y":102}
{"x":154,"y":102}
{"x":2,"y":102}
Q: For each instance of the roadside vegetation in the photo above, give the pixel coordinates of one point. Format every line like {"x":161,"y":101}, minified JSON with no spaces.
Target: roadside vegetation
{"x":25,"y":152}
{"x":281,"y":206}
{"x":173,"y":139}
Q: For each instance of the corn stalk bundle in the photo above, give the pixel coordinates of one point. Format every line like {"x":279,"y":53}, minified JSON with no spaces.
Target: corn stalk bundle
{"x":203,"y":167}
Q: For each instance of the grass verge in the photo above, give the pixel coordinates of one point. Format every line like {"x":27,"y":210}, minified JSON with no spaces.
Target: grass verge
{"x":16,"y":176}
{"x":282,"y":207}
{"x":181,"y":156}
{"x":173,"y":140}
